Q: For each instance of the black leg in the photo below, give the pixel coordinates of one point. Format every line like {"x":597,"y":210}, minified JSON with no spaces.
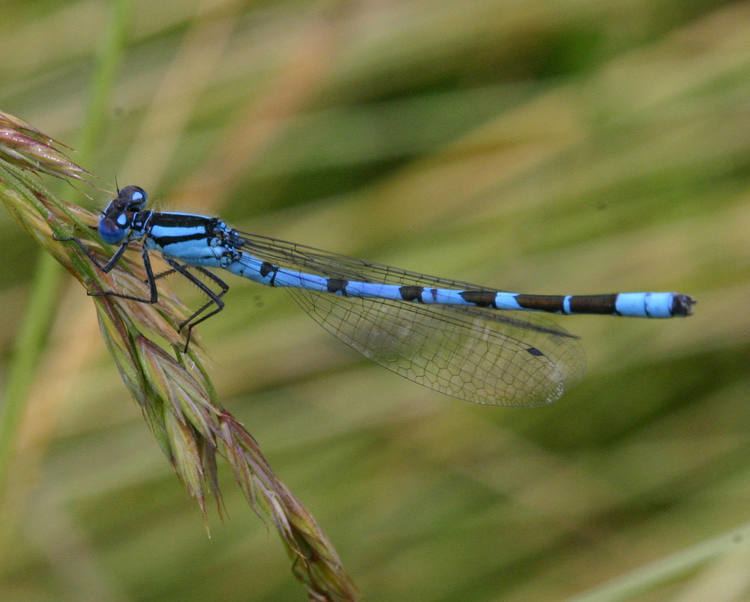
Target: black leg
{"x":224,"y":288}
{"x":111,"y":262}
{"x":184,"y":270}
{"x":163,"y":274}
{"x":171,"y":271}
{"x":223,"y":285}
{"x":214,"y":298}
{"x":150,"y":280}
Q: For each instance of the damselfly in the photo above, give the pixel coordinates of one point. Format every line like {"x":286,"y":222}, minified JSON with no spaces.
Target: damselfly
{"x":464,"y":340}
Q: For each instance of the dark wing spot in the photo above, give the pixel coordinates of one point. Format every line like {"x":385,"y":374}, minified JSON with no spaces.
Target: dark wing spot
{"x":336,"y":285}
{"x":480,"y":298}
{"x":411,"y":293}
{"x":535,"y":352}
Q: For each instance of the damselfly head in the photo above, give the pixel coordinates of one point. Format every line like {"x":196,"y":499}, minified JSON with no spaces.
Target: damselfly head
{"x":117,"y":217}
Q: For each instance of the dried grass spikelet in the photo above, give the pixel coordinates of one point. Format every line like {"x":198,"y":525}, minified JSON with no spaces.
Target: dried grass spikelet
{"x":171,"y":387}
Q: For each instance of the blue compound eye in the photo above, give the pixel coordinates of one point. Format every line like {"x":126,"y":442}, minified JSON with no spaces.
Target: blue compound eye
{"x":113,"y":231}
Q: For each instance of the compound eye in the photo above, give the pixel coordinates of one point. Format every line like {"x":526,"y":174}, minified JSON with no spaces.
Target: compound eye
{"x":112,"y":230}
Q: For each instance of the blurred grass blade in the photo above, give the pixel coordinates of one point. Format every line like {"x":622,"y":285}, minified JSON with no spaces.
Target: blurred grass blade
{"x":649,"y":577}
{"x":171,"y":387}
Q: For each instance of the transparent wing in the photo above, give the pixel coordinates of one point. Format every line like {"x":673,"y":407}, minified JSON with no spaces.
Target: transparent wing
{"x":472,"y":353}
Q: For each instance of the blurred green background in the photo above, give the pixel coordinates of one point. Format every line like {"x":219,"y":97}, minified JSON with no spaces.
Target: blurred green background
{"x":548,"y":147}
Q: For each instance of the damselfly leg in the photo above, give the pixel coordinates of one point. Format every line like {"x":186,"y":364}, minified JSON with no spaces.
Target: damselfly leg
{"x":214,"y":297}
{"x":163,"y":274}
{"x":105,"y":267}
{"x":151,"y":278}
{"x":110,"y":264}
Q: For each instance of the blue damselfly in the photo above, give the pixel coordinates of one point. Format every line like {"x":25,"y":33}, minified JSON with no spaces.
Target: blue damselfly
{"x":444,"y":334}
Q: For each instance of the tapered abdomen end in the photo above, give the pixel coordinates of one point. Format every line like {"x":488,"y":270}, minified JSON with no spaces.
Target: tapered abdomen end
{"x":682,"y":305}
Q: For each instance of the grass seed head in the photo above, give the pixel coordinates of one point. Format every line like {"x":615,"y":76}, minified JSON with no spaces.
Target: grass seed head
{"x":172,"y":388}
{"x":28,"y":148}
